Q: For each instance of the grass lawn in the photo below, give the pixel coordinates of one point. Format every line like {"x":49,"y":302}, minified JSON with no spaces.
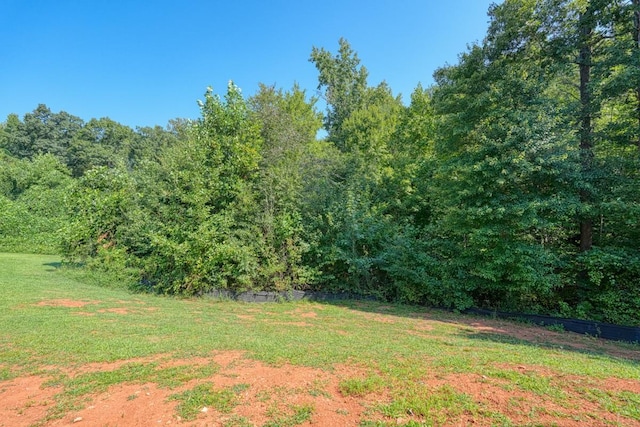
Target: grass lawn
{"x":72,"y":351}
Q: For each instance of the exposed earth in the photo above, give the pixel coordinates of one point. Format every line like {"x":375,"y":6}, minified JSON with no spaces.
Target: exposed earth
{"x":269,"y":393}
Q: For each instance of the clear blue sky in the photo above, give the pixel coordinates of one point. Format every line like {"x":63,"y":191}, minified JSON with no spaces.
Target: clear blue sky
{"x":142,"y":63}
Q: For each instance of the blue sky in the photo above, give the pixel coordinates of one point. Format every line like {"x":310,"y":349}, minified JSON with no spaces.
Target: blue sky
{"x":142,"y":63}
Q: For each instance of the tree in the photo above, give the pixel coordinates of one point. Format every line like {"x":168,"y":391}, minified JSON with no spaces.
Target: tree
{"x":48,"y":132}
{"x":33,"y":196}
{"x":373,"y":195}
{"x":194,"y":227}
{"x":344,"y":83}
{"x":534,"y":131}
{"x":501,"y":158}
{"x":289,"y":125}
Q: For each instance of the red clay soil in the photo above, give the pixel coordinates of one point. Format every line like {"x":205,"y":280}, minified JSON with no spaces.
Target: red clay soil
{"x":532,"y":334}
{"x":69,"y":303}
{"x":26,"y":402}
{"x":542,"y":336}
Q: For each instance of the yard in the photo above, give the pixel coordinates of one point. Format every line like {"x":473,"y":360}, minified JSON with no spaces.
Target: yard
{"x":75,"y":353}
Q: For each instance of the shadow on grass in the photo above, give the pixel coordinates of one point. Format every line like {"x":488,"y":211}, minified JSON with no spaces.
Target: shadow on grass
{"x":54,"y":265}
{"x":505,"y":331}
{"x":57,"y":265}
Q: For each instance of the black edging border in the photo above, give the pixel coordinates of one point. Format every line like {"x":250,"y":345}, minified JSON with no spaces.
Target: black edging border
{"x":590,"y":327}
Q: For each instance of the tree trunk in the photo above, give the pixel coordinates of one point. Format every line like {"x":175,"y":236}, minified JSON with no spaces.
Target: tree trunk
{"x":636,"y":39}
{"x":586,"y":24}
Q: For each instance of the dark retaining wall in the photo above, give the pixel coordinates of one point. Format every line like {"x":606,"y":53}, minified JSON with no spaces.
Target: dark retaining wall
{"x":590,"y":327}
{"x":263,"y":296}
{"x":593,"y":328}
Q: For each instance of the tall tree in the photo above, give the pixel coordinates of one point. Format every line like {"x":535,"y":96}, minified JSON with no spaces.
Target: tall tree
{"x":367,"y":204}
{"x":289,"y":126}
{"x":48,"y":132}
{"x":197,"y":220}
{"x":344,"y":84}
{"x":586,"y":27}
{"x":501,"y":158}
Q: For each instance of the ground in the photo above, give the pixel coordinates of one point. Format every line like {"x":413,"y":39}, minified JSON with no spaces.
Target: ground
{"x":277,"y":394}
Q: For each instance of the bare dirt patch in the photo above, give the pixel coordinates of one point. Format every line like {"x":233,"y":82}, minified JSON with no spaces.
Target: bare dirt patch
{"x":23,"y":401}
{"x":299,"y":312}
{"x":618,"y":384}
{"x":381,"y":318}
{"x":298,"y":324}
{"x":544,"y":336}
{"x":116,"y":310}
{"x":271,"y":391}
{"x":486,"y":328}
{"x":68,"y":303}
{"x":524,"y":407}
{"x":121,"y":310}
{"x":125,"y":405}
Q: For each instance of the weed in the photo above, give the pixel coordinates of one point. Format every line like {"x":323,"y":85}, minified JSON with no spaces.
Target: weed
{"x":419,"y":400}
{"x":360,"y":386}
{"x":237,"y":421}
{"x":263,"y":396}
{"x":5,"y":373}
{"x":204,"y":396}
{"x":318,"y":389}
{"x":299,"y":414}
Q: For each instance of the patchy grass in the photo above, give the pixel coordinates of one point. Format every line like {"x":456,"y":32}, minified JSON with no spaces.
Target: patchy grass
{"x":625,"y":403}
{"x":293,"y":416}
{"x":406,"y":365}
{"x":204,"y":397}
{"x":141,"y":373}
{"x":77,"y":388}
{"x":361,"y":386}
{"x":433,"y":405}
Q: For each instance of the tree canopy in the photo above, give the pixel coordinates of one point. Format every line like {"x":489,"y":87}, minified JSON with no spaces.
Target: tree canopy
{"x":511,"y":183}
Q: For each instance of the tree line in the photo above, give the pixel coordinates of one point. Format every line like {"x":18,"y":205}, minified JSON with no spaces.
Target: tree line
{"x":511,"y":183}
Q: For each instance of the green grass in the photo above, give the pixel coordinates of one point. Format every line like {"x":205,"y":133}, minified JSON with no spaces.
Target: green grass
{"x":398,"y":349}
{"x":135,"y":373}
{"x":296,"y":415}
{"x":206,"y":396}
{"x":624,"y":403}
{"x":435,"y":404}
{"x":529,"y":381}
{"x":361,"y":386}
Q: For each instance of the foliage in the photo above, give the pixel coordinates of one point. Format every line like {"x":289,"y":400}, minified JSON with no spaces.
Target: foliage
{"x":193,"y":219}
{"x":510,"y":183}
{"x":33,"y":196}
{"x":288,"y":128}
{"x":345,"y":84}
{"x":79,"y":145}
{"x":510,"y":179}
